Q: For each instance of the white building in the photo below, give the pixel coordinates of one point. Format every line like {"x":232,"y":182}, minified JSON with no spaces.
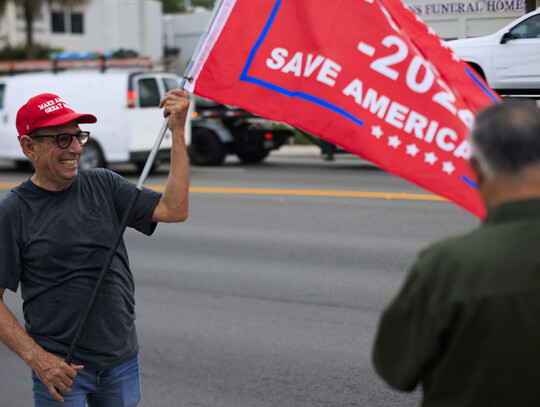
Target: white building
{"x":453,"y":19}
{"x":138,"y":25}
{"x":101,"y":25}
{"x":182,"y":31}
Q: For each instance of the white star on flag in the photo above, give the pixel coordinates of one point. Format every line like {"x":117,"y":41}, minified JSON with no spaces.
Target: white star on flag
{"x":394,"y":141}
{"x":376,"y":131}
{"x":448,"y":167}
{"x":412,"y":149}
{"x":430,"y":158}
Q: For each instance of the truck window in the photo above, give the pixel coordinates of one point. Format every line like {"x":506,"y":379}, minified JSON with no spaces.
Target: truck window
{"x":148,"y":93}
{"x":529,"y":28}
{"x":2,"y":86}
{"x":170,"y":84}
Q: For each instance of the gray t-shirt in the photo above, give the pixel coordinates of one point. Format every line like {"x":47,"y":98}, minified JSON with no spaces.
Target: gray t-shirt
{"x":54,"y":243}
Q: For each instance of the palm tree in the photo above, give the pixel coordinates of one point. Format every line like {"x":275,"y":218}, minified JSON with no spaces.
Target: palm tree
{"x":31,"y":9}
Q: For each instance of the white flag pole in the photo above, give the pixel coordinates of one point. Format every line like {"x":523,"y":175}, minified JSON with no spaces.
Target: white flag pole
{"x":186,"y":77}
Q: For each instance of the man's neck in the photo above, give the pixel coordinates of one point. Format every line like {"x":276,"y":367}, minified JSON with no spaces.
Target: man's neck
{"x":50,"y":186}
{"x":513,"y":187}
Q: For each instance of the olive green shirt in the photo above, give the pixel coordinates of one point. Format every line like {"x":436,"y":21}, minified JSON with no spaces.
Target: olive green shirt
{"x":466,"y":323}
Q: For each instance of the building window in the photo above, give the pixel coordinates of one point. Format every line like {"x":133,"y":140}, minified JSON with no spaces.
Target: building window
{"x":77,"y":26}
{"x":58,"y":22}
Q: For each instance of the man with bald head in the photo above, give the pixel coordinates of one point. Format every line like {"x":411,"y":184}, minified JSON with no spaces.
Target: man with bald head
{"x":465,"y":324}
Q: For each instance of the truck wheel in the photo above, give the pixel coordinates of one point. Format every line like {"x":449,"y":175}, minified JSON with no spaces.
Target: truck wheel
{"x":153,"y":169}
{"x":206,"y":148}
{"x":24,"y":165}
{"x":478,"y":70}
{"x":92,"y":157}
{"x":253,"y":158}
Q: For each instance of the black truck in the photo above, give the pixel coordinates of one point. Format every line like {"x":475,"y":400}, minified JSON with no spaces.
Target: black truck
{"x":218,"y":130}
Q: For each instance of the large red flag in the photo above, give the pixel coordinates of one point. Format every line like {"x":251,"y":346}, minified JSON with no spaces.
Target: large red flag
{"x":366,"y":75}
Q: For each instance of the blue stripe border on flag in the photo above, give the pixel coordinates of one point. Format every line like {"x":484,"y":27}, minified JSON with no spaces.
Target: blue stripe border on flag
{"x":244,"y":77}
{"x":481,"y":86}
{"x":469,"y":181}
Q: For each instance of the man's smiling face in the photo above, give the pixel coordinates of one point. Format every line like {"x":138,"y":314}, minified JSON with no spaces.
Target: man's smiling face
{"x":56,"y":168}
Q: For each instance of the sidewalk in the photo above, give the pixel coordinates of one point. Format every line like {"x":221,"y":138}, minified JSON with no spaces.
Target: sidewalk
{"x":309,"y":150}
{"x":312,"y":151}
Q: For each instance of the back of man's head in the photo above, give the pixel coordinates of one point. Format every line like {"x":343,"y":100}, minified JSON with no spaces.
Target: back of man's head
{"x":506,"y":137}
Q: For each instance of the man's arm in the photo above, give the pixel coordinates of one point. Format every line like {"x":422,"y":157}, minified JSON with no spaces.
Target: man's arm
{"x":174,"y":203}
{"x":50,"y":369}
{"x":395,"y":351}
{"x":405,"y":341}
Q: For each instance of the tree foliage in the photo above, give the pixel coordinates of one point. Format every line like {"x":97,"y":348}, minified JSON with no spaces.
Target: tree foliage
{"x":173,"y":6}
{"x":209,"y":4}
{"x":181,"y":6}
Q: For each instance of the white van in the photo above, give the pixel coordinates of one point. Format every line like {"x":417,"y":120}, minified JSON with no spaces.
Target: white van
{"x":124,"y":102}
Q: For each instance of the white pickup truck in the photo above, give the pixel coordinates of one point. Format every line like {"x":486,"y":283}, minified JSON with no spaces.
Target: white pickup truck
{"x":508,"y":60}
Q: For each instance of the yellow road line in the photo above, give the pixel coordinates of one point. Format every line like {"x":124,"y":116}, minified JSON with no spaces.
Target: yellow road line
{"x":309,"y":192}
{"x":8,"y":185}
{"x":297,"y":192}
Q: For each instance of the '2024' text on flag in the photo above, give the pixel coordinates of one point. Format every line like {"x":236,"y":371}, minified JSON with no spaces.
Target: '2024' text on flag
{"x":366,"y":75}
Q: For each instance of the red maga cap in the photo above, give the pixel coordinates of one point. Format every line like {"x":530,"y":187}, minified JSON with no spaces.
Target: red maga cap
{"x":47,"y":110}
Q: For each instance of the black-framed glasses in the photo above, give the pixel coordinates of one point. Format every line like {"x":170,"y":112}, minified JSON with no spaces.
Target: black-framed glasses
{"x":63,"y":140}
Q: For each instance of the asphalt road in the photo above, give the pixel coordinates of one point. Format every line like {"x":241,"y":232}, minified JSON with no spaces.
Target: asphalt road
{"x":269,"y":298}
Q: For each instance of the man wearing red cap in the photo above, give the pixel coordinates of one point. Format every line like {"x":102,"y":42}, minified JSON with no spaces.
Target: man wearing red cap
{"x":55,"y":231}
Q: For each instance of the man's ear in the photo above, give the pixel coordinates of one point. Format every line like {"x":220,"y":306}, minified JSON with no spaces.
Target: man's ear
{"x":28,"y":147}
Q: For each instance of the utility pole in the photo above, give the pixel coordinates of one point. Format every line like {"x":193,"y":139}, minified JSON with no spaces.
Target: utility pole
{"x":530,"y":5}
{"x":140,"y":15}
